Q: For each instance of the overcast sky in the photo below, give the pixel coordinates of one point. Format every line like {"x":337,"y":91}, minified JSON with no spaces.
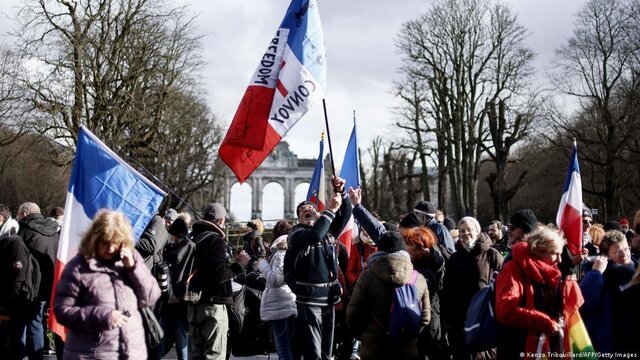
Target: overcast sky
{"x":361,"y":56}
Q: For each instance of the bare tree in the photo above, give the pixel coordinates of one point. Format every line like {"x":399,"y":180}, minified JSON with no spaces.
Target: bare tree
{"x":12,"y":107}
{"x":413,"y":122}
{"x":468,"y":53}
{"x":506,"y":129}
{"x":598,"y":66}
{"x":128,"y":70}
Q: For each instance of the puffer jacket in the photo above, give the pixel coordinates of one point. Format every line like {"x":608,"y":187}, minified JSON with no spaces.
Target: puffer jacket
{"x":86,"y":294}
{"x":370,"y":305}
{"x":278,"y":301}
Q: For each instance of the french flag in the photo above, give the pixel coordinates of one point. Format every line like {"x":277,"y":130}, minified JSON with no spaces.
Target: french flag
{"x":289,"y":81}
{"x":317,"y":187}
{"x":100,"y":180}
{"x":569,"y":218}
{"x":350,"y":172}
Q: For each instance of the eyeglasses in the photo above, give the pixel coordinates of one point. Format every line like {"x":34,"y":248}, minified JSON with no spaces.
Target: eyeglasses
{"x":585,"y":222}
{"x":622,"y":251}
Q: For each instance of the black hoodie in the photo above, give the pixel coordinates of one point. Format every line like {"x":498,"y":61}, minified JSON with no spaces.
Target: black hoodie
{"x":41,"y":237}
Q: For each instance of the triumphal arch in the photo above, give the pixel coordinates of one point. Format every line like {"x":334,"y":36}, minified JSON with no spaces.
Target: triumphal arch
{"x":283,"y":167}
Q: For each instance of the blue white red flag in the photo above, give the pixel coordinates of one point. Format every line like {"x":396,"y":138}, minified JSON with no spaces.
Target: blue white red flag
{"x":289,"y":81}
{"x":101,"y":180}
{"x":569,"y":218}
{"x":317,"y":187}
{"x":350,"y":172}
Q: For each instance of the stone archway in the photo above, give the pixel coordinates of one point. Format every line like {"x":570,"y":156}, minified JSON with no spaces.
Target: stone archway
{"x":282,"y":166}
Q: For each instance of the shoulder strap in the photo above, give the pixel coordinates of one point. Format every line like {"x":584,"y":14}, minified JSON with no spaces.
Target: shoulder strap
{"x":414,"y":277}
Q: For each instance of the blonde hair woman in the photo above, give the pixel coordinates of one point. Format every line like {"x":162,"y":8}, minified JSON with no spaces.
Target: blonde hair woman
{"x":100,"y":291}
{"x":531,"y":296}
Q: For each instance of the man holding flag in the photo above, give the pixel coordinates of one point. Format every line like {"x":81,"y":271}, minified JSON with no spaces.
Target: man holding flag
{"x":311,"y":271}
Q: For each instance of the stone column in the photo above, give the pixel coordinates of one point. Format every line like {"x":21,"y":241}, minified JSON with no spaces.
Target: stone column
{"x":227,"y":193}
{"x":256,"y":197}
{"x":289,"y":197}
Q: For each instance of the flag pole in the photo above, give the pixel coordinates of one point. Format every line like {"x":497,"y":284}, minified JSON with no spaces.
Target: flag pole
{"x":326,"y":122}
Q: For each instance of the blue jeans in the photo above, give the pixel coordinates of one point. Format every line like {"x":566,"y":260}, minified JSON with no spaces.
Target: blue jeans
{"x":34,"y":340}
{"x":282,"y":330}
{"x":313,"y":332}
{"x":176,"y":326}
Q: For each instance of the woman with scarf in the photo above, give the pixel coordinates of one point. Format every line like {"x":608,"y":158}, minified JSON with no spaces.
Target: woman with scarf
{"x":533,"y":300}
{"x":603,"y":311}
{"x":468,"y":270}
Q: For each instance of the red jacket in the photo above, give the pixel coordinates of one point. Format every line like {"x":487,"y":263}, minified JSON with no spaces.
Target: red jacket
{"x":514,"y":282}
{"x":357,"y":263}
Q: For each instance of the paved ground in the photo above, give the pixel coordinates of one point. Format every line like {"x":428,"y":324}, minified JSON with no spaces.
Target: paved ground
{"x":172,"y":356}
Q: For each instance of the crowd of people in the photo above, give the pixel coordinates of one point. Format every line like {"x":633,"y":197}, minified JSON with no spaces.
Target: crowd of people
{"x":321,"y":299}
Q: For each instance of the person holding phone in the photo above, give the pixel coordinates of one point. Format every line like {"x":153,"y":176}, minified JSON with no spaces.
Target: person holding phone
{"x":100,"y":291}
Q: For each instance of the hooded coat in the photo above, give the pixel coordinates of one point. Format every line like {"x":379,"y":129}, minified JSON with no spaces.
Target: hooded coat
{"x":212,"y":261}
{"x":278,"y":301}
{"x":369,"y":308}
{"x":466,"y":272}
{"x":41,"y":237}
{"x":88,"y":291}
{"x":525,"y":291}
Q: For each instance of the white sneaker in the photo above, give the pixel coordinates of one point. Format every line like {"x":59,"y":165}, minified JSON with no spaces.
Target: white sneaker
{"x":355,"y":356}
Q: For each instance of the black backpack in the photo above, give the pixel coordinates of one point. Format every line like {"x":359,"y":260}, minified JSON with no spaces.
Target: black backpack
{"x":33,"y":277}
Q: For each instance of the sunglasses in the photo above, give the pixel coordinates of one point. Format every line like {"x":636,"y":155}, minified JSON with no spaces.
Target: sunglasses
{"x":587,"y":222}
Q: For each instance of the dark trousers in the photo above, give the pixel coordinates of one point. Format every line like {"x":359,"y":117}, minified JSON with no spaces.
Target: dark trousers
{"x":313,"y":332}
{"x":11,"y":337}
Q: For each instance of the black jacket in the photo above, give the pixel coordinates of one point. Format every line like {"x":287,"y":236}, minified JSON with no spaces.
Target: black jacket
{"x":310,"y":264}
{"x":212,"y":259}
{"x":41,"y":237}
{"x":13,"y":270}
{"x":152,"y":242}
{"x":466,"y":272}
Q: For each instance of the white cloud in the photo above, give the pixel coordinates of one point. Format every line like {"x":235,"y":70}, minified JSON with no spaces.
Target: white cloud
{"x":362,"y":58}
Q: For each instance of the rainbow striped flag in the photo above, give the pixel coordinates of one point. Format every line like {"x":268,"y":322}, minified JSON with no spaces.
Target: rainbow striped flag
{"x":578,"y":340}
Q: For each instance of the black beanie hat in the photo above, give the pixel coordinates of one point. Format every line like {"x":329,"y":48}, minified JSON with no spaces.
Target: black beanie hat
{"x":425,"y":208}
{"x":303,"y":203}
{"x":179,"y":228}
{"x":449,"y":224}
{"x":390,"y":226}
{"x":612,"y":225}
{"x":525,"y":219}
{"x":391,"y":241}
{"x":412,"y":219}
